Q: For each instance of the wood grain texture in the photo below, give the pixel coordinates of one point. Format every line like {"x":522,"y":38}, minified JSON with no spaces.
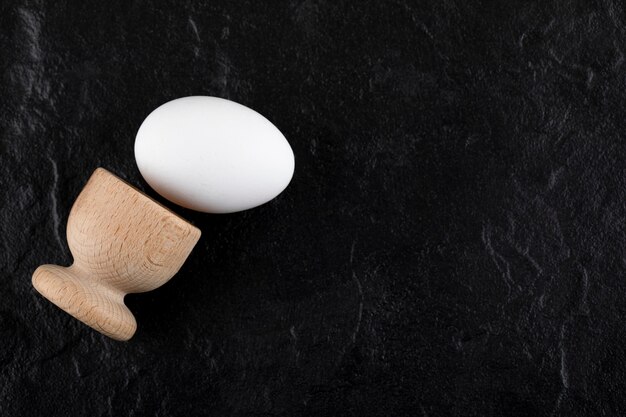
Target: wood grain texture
{"x":122,"y":242}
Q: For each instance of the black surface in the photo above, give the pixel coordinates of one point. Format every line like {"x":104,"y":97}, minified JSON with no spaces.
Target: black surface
{"x":452,"y":242}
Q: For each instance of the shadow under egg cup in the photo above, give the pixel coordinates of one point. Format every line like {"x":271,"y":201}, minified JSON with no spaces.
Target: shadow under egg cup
{"x":122,"y":242}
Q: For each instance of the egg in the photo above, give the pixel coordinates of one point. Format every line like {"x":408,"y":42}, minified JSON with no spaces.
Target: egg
{"x":213,"y":155}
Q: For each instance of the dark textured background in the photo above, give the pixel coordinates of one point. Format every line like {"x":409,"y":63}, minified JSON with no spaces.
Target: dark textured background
{"x":452,"y":242}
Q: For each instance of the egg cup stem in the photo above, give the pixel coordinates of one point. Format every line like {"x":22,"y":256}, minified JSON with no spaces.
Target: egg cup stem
{"x":76,"y":292}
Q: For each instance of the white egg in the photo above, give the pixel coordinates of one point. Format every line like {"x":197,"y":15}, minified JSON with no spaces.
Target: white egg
{"x":213,"y":155}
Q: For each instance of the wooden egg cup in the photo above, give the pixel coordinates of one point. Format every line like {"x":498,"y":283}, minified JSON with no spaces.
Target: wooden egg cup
{"x":122,"y":242}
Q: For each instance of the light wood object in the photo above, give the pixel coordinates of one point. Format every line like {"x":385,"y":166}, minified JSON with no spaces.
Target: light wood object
{"x":122,"y":242}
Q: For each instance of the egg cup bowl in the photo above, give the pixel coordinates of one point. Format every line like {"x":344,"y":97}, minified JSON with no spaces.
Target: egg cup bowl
{"x":122,"y":242}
